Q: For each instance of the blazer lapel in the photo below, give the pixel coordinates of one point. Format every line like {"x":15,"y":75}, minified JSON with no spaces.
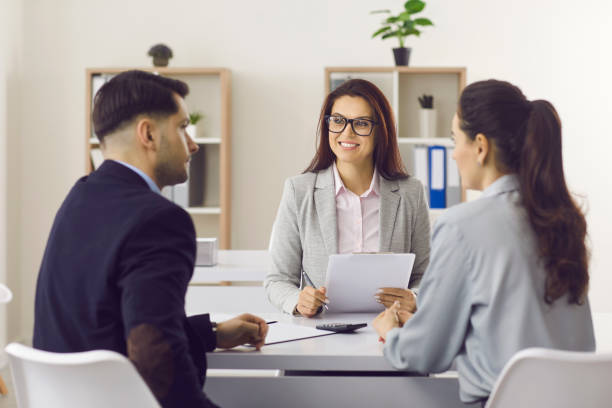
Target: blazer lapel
{"x":389,"y":204}
{"x":325,"y":203}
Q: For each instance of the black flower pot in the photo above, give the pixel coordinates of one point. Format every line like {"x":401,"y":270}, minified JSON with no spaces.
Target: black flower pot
{"x":402,"y":55}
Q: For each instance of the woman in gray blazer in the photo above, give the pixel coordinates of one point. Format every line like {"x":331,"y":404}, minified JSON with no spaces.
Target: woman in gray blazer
{"x":355,"y":196}
{"x":510,"y":270}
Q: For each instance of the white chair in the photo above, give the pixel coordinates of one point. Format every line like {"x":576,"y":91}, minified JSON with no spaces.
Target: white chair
{"x":93,"y":379}
{"x":5,"y":294}
{"x":538,"y":377}
{"x":5,"y":297}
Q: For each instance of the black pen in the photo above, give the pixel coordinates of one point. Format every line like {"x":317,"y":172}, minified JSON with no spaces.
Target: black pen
{"x":273,"y":321}
{"x":309,"y":282}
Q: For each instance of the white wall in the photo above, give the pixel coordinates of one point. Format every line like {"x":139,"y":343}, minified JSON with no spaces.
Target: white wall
{"x":276,"y":50}
{"x":10,"y":52}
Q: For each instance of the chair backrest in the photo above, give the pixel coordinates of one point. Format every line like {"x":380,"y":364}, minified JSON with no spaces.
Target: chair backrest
{"x":5,"y":294}
{"x":93,"y":379}
{"x":538,"y":377}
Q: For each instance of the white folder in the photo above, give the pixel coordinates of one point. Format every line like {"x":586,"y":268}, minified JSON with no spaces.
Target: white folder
{"x":353,"y":279}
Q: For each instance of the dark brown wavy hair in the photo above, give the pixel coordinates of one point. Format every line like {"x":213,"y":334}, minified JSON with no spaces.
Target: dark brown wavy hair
{"x":526,"y":138}
{"x":387,"y":159}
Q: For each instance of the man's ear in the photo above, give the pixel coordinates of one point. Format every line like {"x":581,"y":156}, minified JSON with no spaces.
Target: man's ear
{"x":146,"y":133}
{"x":483,"y":147}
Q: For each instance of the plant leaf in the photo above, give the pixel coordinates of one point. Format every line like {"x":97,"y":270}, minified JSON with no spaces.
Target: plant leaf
{"x":414,"y":6}
{"x":408,"y":25}
{"x":405,"y":16}
{"x":391,"y":34}
{"x":413,"y":31}
{"x":423,"y":21}
{"x":382,"y":30}
{"x":392,"y":19}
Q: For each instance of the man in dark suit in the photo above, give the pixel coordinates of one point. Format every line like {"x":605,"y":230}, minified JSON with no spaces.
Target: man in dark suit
{"x":120,"y":256}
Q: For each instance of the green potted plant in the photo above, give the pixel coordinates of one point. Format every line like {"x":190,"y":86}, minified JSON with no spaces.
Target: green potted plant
{"x":194,"y":118}
{"x":401,"y":26}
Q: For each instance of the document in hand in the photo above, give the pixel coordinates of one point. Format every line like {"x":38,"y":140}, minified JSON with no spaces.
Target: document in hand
{"x":353,"y":279}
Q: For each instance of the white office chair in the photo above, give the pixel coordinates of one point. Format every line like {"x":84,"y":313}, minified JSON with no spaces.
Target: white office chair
{"x":5,"y":297}
{"x":538,"y":377}
{"x":5,"y":294}
{"x":93,"y":379}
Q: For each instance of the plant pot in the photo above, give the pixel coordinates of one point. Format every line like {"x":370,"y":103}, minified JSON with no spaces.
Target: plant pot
{"x":160,"y":61}
{"x":427,"y":123}
{"x":402,"y":55}
{"x":192,"y":131}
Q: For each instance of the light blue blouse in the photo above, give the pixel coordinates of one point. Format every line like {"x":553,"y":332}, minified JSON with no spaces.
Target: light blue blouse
{"x":482,"y":297}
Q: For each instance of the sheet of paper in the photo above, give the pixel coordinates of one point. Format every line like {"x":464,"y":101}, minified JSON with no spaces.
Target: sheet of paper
{"x":283,"y":332}
{"x":353,"y":279}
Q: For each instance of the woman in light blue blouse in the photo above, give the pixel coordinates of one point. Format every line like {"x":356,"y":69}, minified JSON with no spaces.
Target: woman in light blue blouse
{"x":509,"y":270}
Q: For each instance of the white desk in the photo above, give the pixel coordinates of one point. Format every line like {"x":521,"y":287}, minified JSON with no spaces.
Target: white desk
{"x":340,"y":370}
{"x":234,"y":285}
{"x":358,"y":351}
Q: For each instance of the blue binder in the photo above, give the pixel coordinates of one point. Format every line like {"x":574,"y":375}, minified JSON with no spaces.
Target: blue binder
{"x":437,"y":177}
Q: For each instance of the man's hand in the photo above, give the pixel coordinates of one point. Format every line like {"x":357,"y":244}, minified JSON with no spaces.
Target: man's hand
{"x":311,"y":300}
{"x":244,"y":329}
{"x":405,"y":297}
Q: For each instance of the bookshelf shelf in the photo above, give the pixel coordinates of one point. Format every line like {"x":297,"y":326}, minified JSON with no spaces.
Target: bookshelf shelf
{"x":206,"y":196}
{"x":440,"y":141}
{"x":207,"y":140}
{"x":203,"y":210}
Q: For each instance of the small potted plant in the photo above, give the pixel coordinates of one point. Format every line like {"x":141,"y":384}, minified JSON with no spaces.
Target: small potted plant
{"x":427,"y":117}
{"x":401,"y":26}
{"x":194,"y":118}
{"x":161,"y":54}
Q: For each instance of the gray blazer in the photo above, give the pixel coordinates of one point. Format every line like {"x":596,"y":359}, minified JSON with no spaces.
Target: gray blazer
{"x":305,"y":232}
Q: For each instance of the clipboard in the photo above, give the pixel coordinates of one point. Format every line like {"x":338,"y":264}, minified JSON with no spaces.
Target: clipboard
{"x":353,"y":279}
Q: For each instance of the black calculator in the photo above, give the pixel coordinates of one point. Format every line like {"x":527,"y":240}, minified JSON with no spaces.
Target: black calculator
{"x":341,"y":327}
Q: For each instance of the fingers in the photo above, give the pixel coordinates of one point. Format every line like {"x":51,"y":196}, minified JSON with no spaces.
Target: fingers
{"x":310,"y":300}
{"x":252,"y":334}
{"x":387,"y":296}
{"x":400,"y":292}
{"x":403,"y":316}
{"x":263,"y":326}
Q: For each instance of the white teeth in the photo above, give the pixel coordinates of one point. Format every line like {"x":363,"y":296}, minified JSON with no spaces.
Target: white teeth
{"x":343,"y":144}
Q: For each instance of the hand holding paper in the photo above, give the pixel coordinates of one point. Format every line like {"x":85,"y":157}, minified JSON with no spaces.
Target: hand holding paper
{"x":405,"y":297}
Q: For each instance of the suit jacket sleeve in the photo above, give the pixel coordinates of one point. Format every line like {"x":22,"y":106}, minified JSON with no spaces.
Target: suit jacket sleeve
{"x":283,"y":281}
{"x":156,"y":264}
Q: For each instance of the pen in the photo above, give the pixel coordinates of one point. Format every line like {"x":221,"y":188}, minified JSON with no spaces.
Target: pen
{"x":309,"y":282}
{"x":273,"y":321}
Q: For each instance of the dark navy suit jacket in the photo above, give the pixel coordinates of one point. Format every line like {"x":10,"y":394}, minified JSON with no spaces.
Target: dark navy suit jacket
{"x":114,"y":276}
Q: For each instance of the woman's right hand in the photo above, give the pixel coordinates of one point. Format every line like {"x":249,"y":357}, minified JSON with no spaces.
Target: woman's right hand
{"x":311,"y":300}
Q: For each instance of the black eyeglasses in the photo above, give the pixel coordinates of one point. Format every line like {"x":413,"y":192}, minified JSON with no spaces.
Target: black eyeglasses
{"x":361,"y":127}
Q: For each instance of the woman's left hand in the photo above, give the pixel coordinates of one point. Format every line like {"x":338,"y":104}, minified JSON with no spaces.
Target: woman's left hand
{"x":387,"y":320}
{"x":405,"y":297}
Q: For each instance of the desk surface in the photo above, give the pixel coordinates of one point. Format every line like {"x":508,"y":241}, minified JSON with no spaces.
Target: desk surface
{"x":358,"y":351}
{"x":234,"y":265}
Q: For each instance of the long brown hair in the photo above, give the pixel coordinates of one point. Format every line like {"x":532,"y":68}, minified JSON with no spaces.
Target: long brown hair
{"x":387,"y":159}
{"x":526,"y":138}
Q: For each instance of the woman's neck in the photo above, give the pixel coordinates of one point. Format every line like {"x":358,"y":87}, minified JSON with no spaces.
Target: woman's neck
{"x":357,"y":177}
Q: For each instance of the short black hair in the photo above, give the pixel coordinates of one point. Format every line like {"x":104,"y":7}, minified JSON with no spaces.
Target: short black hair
{"x":133,"y":93}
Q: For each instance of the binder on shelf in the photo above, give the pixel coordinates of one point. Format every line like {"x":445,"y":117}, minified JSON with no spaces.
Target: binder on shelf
{"x":421,"y":169}
{"x":437,"y":177}
{"x":453,"y":183}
